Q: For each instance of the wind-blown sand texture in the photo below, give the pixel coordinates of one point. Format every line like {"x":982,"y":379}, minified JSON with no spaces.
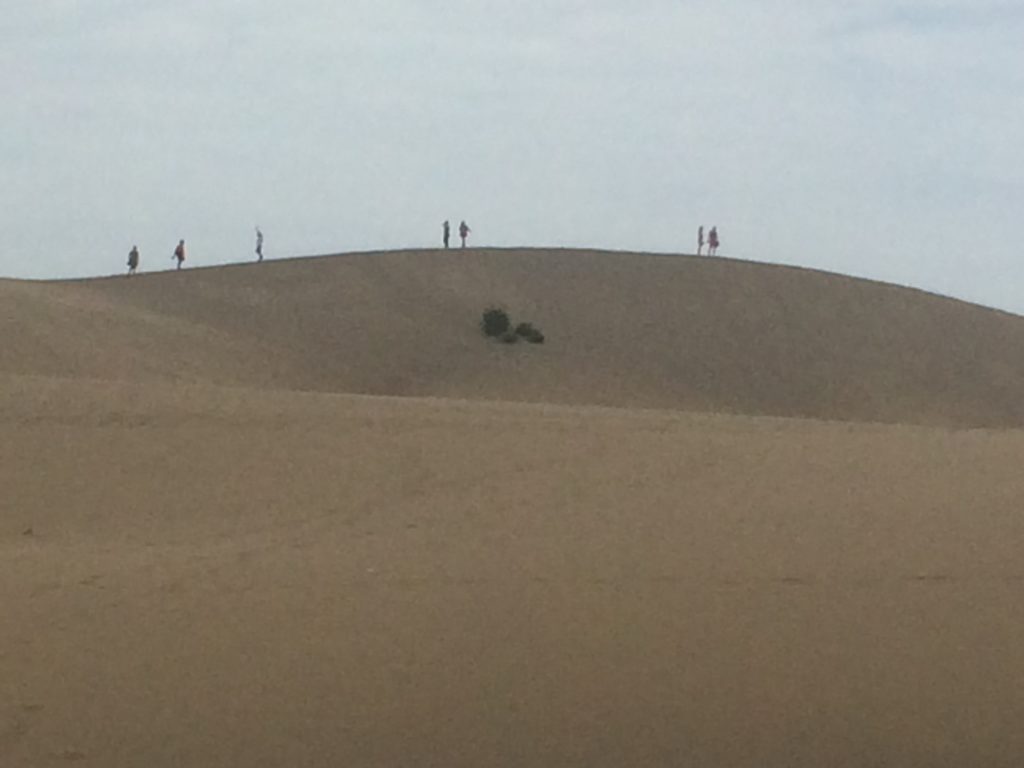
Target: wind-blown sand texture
{"x":292,"y":515}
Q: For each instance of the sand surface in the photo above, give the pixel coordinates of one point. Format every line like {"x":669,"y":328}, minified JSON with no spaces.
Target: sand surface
{"x":623,"y":330}
{"x":218,"y":550}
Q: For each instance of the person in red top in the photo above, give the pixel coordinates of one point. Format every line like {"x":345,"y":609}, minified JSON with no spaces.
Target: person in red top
{"x":179,"y":253}
{"x":464,"y":231}
{"x":712,"y":241}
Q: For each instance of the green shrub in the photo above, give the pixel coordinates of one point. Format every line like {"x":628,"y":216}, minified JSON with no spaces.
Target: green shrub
{"x":495,"y":322}
{"x":528,"y":332}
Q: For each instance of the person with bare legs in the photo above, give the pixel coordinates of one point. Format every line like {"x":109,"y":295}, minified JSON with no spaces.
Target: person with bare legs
{"x":700,"y":239}
{"x":713,"y":241}
{"x":133,"y":260}
{"x":464,"y":231}
{"x":179,"y":253}
{"x":259,"y":244}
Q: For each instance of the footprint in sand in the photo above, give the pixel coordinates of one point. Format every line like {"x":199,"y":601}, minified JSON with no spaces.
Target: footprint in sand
{"x":934,"y":578}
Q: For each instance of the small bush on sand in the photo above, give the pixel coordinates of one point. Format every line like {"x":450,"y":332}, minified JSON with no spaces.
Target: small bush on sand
{"x":528,"y":332}
{"x":495,"y":322}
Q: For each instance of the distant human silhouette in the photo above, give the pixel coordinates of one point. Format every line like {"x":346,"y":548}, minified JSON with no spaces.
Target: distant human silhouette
{"x":179,"y":253}
{"x":259,"y":244}
{"x":712,"y":241}
{"x":446,"y":232}
{"x":133,"y":259}
{"x":700,"y":239}
{"x":464,"y":231}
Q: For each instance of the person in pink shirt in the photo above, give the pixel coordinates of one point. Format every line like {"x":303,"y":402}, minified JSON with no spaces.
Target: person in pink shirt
{"x":712,"y":241}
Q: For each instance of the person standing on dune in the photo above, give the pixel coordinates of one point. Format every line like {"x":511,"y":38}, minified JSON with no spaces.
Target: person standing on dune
{"x":712,"y":241}
{"x":179,"y":253}
{"x":700,"y":239}
{"x":464,"y":231}
{"x":446,"y":232}
{"x":259,"y":244}
{"x":133,"y":260}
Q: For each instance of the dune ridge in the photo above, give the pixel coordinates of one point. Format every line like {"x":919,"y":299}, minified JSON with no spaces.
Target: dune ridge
{"x":626,"y":330}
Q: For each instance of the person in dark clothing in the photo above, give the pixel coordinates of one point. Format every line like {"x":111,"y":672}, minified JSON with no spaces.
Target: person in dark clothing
{"x":133,"y":260}
{"x":179,"y":253}
{"x":446,"y":232}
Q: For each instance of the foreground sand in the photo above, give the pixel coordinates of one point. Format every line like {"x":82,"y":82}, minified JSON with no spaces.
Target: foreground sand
{"x":204,"y":576}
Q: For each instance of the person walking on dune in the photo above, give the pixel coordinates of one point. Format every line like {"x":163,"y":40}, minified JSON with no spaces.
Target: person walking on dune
{"x":133,"y":260}
{"x":464,"y":231}
{"x":713,"y":241}
{"x":259,"y":244}
{"x":179,"y":253}
{"x":446,"y":232}
{"x":700,"y":239}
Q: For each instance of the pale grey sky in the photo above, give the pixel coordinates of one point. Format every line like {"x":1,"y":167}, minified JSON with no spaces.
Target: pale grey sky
{"x":878,"y":138}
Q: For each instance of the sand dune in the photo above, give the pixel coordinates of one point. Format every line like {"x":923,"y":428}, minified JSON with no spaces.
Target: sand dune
{"x":623,"y":330}
{"x":215,"y":551}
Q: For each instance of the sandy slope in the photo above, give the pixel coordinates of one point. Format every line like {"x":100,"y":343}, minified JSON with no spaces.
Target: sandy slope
{"x":623,"y":329}
{"x":201,"y":565}
{"x":222,"y":577}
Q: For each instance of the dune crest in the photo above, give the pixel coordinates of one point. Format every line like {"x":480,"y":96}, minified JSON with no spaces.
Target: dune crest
{"x":624,"y":330}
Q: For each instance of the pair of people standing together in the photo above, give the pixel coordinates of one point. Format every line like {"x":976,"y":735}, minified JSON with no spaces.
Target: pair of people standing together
{"x":446,"y":231}
{"x":712,"y":240}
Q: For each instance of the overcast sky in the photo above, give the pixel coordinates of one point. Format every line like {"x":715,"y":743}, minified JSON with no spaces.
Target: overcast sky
{"x":873,"y":137}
